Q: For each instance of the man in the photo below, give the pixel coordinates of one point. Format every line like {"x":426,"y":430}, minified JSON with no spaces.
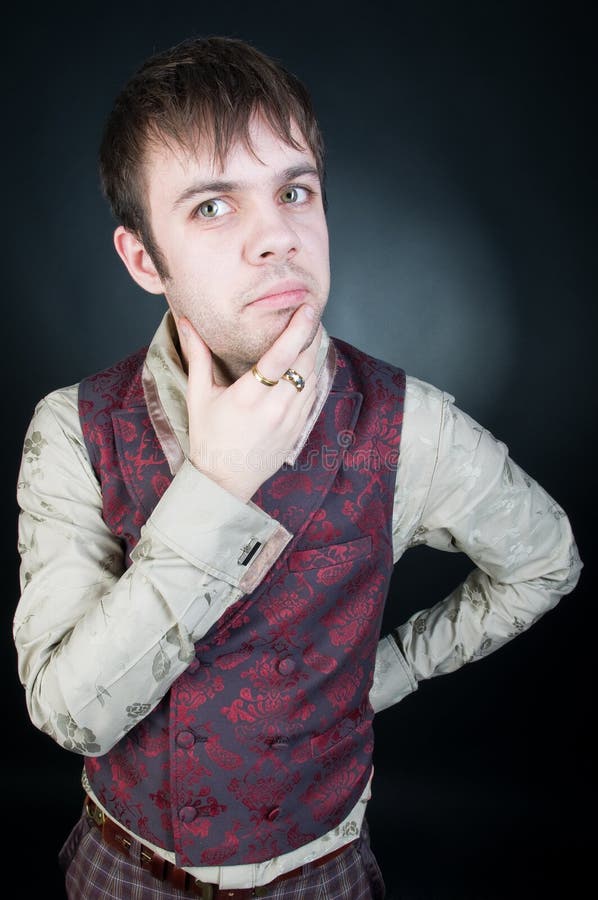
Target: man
{"x":209,"y":527}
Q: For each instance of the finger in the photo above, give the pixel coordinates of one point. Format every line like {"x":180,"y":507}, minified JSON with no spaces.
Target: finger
{"x":304,"y":366}
{"x":197,"y":355}
{"x":306,"y":360}
{"x":286,"y":348}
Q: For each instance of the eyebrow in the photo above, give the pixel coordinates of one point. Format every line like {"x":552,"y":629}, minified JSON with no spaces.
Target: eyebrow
{"x":225,"y":187}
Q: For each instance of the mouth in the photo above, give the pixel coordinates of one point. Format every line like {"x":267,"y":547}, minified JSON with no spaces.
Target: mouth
{"x":284,"y":295}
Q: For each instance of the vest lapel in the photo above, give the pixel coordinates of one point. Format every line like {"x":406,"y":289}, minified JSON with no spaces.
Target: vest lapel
{"x":143,"y":465}
{"x":294,"y":494}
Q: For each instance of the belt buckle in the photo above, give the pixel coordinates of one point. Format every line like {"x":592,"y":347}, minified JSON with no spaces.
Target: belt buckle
{"x":94,"y":812}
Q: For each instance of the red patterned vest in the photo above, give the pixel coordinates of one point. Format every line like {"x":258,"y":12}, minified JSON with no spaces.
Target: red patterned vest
{"x":265,"y":742}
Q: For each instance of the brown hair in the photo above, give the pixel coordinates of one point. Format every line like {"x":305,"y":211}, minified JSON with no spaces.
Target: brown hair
{"x":203,"y":88}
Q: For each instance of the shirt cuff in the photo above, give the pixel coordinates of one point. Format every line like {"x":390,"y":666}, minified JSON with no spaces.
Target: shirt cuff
{"x":393,"y":679}
{"x":215,"y":531}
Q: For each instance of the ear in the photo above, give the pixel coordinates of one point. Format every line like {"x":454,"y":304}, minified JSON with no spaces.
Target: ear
{"x":137,"y":260}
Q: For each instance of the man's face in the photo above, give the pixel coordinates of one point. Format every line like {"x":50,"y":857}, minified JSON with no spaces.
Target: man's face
{"x":244,"y":245}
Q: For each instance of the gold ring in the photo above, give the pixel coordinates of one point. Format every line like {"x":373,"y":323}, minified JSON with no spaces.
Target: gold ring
{"x":297,"y":380}
{"x":262,"y":378}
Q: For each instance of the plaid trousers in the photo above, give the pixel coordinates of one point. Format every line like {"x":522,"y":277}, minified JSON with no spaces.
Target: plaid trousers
{"x":96,"y":871}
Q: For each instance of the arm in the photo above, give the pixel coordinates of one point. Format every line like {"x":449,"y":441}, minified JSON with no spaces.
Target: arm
{"x":476,"y":500}
{"x":98,"y":647}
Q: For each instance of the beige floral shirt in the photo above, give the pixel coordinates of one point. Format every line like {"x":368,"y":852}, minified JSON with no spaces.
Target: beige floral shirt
{"x":98,"y":646}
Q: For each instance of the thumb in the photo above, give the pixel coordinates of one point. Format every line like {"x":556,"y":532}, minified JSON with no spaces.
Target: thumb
{"x":197,"y":355}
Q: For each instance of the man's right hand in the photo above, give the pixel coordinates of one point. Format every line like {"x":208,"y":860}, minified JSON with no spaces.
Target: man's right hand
{"x":240,"y":435}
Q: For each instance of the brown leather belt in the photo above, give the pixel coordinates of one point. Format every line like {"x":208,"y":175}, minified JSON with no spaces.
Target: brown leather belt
{"x":163,"y":870}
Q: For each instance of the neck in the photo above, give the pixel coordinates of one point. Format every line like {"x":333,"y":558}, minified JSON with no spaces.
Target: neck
{"x":225,"y":374}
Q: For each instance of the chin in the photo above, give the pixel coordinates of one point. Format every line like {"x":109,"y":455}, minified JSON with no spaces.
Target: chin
{"x":273,"y":330}
{"x":268,"y":335}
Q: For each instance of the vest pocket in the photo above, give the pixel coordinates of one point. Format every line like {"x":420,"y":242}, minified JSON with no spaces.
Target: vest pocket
{"x":333,"y":555}
{"x":334,"y":738}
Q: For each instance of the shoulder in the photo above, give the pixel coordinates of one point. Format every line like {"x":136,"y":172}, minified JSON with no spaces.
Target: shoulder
{"x":423,"y":415}
{"x":424,"y":398}
{"x":434,"y":423}
{"x":54,"y":451}
{"x":425,"y":408}
{"x":58,"y":411}
{"x":118,"y":384}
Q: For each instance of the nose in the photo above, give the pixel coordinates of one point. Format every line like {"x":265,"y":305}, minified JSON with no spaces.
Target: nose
{"x":271,"y":237}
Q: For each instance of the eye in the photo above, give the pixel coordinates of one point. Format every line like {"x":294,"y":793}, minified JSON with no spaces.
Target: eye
{"x":295,"y":194}
{"x":212,"y":209}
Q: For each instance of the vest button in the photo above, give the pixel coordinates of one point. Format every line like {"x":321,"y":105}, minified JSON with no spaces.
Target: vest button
{"x":187,"y":813}
{"x":185,"y":739}
{"x":273,"y":814}
{"x":286,"y":666}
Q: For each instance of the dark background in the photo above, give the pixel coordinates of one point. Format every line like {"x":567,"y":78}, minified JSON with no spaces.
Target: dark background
{"x":462,"y":191}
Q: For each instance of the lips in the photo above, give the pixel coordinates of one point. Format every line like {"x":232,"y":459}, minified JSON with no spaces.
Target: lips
{"x":281,"y":295}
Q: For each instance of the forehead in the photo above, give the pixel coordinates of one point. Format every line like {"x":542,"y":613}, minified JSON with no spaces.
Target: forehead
{"x":260,"y":157}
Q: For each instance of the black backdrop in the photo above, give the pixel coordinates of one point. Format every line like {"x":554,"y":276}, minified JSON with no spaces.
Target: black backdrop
{"x":462,"y":191}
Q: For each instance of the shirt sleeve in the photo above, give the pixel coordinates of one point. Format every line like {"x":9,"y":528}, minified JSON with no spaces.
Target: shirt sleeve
{"x":98,"y":646}
{"x":459,"y":490}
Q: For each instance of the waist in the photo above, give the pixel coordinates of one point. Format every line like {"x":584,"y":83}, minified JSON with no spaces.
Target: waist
{"x":122,"y":840}
{"x":257,"y":873}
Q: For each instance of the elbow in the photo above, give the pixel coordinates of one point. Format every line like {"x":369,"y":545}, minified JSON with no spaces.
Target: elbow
{"x":65,"y":731}
{"x":49,"y":713}
{"x":76,"y":738}
{"x":565,"y":575}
